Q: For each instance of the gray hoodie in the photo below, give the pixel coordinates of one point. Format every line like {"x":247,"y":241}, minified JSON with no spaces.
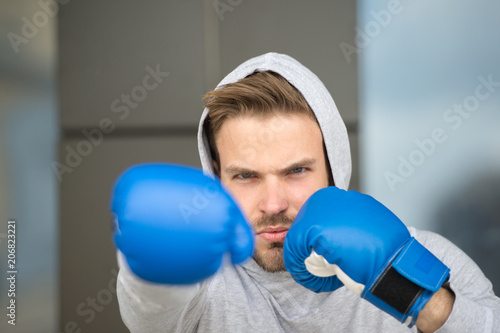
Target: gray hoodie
{"x":245,"y":298}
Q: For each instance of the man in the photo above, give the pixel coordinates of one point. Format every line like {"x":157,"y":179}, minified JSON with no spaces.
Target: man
{"x":273,"y":136}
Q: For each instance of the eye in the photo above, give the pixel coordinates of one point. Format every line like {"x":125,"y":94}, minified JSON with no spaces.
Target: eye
{"x":244,"y":176}
{"x":298,"y":170}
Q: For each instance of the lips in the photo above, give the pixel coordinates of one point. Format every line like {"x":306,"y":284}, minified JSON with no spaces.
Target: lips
{"x":273,"y":234}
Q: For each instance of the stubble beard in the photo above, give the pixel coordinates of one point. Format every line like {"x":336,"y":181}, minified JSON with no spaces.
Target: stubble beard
{"x":271,"y":258}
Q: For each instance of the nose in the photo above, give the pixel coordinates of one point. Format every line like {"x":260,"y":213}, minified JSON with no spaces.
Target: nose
{"x":274,"y":199}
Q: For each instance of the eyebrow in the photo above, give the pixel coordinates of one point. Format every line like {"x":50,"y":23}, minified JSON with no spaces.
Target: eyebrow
{"x":304,"y":163}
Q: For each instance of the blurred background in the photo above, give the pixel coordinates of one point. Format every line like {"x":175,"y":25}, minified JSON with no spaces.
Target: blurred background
{"x":88,"y":88}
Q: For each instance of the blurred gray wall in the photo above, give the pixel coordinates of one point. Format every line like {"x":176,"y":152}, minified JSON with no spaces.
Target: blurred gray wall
{"x":28,"y":186}
{"x":114,"y":112}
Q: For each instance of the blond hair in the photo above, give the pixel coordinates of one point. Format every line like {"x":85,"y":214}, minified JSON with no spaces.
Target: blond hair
{"x":261,"y":94}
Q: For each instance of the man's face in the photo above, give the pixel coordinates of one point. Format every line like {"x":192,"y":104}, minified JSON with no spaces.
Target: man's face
{"x":271,"y":166}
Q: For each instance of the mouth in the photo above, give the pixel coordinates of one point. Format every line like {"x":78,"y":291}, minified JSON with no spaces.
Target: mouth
{"x":273,"y":234}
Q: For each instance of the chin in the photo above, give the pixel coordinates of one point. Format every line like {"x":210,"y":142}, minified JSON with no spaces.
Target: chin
{"x":271,"y":259}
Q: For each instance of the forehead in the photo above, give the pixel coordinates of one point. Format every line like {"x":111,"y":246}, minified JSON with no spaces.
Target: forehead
{"x":271,"y":142}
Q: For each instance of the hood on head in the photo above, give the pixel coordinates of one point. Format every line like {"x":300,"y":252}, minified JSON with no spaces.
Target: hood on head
{"x":316,"y":95}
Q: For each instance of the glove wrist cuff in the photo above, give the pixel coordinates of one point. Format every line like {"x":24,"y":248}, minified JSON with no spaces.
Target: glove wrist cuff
{"x":408,"y":283}
{"x":396,"y":290}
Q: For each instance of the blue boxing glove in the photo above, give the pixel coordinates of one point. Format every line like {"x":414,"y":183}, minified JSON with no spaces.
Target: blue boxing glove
{"x":348,"y":238}
{"x":174,"y":225}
